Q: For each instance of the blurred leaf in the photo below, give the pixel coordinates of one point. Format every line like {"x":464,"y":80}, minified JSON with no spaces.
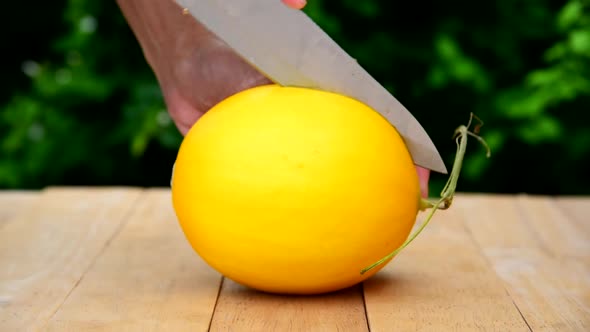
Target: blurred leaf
{"x":570,"y":14}
{"x":80,"y":105}
{"x":454,"y":66}
{"x":540,"y":130}
{"x":579,"y":41}
{"x":556,"y":52}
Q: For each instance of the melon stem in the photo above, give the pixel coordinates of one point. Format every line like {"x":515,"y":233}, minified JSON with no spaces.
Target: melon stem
{"x":448,"y":192}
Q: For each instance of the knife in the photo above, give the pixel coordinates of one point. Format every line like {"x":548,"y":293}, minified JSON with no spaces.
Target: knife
{"x":286,"y":46}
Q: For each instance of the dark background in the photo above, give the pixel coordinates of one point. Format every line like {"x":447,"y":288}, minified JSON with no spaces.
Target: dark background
{"x":80,"y":106}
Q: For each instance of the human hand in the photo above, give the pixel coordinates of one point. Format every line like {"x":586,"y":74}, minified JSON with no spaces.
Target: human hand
{"x":194,"y":68}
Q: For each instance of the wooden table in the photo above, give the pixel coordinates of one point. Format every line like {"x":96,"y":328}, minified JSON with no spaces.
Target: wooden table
{"x":89,"y":259}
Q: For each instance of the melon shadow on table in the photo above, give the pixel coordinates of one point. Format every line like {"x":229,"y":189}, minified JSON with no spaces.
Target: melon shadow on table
{"x":248,"y":291}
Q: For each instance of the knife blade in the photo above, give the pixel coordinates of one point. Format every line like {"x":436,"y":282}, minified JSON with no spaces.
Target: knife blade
{"x":289,"y":48}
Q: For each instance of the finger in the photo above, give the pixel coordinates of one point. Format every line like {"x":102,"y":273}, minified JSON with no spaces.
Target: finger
{"x":424,"y":176}
{"x":296,"y":4}
{"x":199,"y":71}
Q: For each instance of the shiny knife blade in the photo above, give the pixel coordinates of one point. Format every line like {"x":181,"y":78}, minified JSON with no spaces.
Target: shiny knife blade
{"x":285,"y":45}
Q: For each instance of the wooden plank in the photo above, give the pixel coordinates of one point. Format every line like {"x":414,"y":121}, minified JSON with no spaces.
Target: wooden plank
{"x":577,"y":208}
{"x":242,"y":309}
{"x":13,"y":202}
{"x":484,"y":217}
{"x":551,"y":292}
{"x":45,"y":251}
{"x":558,"y":234}
{"x":440,"y":282}
{"x":148,"y":279}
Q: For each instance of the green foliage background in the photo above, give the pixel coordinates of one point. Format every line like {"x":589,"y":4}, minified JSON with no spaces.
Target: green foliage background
{"x":80,"y":106}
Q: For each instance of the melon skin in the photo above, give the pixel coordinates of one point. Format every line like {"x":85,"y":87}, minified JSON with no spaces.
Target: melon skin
{"x":293,"y":190}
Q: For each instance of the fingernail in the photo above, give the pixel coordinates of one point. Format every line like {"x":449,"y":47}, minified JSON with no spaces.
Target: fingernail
{"x":296,"y":4}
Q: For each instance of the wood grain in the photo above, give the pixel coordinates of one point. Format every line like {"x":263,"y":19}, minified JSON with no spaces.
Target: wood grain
{"x":148,"y":279}
{"x":552,"y":292}
{"x":557,"y":233}
{"x":115,"y":259}
{"x":440,"y":282}
{"x":46,"y":250}
{"x":13,"y":202}
{"x":242,"y":309}
{"x":576,"y":208}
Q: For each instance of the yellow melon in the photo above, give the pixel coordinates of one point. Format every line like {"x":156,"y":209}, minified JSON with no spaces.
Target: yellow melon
{"x":293,"y":190}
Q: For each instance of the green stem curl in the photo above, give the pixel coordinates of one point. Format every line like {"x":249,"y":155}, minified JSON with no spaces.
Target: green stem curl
{"x":448,"y":192}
